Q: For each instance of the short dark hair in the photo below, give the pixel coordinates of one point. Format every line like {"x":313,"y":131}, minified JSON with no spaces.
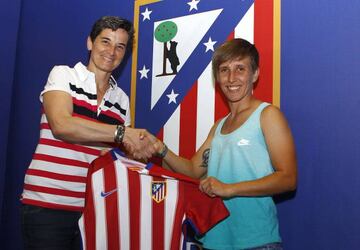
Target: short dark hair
{"x":234,"y":49}
{"x":114,"y":23}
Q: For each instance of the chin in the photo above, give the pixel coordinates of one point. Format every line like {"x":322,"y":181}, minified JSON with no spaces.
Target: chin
{"x":108,"y":69}
{"x":234,"y":99}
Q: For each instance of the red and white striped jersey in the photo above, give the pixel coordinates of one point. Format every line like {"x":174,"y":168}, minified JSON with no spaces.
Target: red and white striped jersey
{"x":56,"y":176}
{"x":129,"y":206}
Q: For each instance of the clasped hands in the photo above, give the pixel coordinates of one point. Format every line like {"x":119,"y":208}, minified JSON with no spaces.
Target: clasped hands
{"x":140,"y":144}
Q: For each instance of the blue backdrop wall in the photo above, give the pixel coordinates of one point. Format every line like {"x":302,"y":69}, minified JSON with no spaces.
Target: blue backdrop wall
{"x":320,"y":95}
{"x":9,"y":14}
{"x":320,"y":90}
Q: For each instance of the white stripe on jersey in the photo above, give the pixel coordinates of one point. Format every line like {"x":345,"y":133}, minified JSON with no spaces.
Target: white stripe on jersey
{"x":53,"y":199}
{"x":57,"y":168}
{"x":47,"y":134}
{"x":43,"y":118}
{"x":52,"y":183}
{"x":123,"y":206}
{"x":145,"y":213}
{"x":65,"y":153}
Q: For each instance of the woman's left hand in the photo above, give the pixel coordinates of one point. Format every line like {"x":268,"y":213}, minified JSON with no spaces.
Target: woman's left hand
{"x":213,"y":187}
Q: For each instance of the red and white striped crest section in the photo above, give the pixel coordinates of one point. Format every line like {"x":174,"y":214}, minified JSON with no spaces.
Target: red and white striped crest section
{"x":189,"y":125}
{"x":122,"y":213}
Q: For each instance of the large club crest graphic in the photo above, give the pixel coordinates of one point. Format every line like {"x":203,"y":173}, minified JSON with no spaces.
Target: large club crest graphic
{"x":167,"y":69}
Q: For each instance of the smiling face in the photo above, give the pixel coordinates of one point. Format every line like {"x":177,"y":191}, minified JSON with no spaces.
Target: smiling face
{"x":236,"y":78}
{"x":107,"y":50}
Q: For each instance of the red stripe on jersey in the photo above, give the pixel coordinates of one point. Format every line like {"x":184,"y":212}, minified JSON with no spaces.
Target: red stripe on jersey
{"x":66,"y":145}
{"x":89,"y":212}
{"x":158,"y":223}
{"x":44,"y":125}
{"x":84,"y":104}
{"x":162,"y":172}
{"x":109,"y":113}
{"x":111,"y":208}
{"x":178,"y":221}
{"x":60,"y":177}
{"x":188,"y":114}
{"x":60,"y":160}
{"x":54,"y":191}
{"x":134,"y":208}
{"x":51,"y":205}
{"x":263,"y":37}
{"x":89,"y":220}
{"x":99,"y":162}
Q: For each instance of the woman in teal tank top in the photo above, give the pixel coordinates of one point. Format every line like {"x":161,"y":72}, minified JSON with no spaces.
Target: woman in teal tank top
{"x":248,"y":156}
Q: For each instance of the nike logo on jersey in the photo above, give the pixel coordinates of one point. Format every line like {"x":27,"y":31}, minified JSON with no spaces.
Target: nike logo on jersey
{"x":106,"y":194}
{"x":243,"y":142}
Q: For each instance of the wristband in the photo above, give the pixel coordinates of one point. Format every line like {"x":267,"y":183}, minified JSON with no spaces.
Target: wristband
{"x":119,"y":133}
{"x":163,"y":152}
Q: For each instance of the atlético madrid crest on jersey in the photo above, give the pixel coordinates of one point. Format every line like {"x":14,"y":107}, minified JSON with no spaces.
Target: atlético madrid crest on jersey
{"x":158,"y":191}
{"x":173,"y":91}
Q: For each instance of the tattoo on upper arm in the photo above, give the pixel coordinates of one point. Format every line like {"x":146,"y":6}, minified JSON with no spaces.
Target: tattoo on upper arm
{"x":205,"y":158}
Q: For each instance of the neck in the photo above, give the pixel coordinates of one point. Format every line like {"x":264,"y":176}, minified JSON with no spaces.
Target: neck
{"x":102,"y":82}
{"x":240,"y":106}
{"x":102,"y":78}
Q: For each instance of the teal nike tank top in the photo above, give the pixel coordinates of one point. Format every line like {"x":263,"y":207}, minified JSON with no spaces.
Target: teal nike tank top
{"x":235,"y":157}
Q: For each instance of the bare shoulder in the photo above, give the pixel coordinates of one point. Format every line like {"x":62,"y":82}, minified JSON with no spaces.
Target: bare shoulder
{"x":211,"y":134}
{"x":215,"y":126}
{"x":272,"y":117}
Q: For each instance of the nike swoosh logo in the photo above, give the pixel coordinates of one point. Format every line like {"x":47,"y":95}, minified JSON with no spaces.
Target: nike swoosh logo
{"x":106,"y":194}
{"x":243,"y":142}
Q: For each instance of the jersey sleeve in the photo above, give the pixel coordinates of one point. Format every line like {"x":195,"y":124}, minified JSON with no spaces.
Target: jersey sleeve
{"x":58,"y":79}
{"x":202,"y":211}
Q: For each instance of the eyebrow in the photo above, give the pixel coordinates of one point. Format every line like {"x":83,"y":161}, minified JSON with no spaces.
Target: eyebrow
{"x":108,"y":39}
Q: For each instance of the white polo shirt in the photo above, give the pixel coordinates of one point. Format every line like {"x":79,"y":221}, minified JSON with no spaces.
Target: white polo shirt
{"x":56,"y":177}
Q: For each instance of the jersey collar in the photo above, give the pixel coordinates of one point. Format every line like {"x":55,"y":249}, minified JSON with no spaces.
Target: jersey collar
{"x":84,"y":74}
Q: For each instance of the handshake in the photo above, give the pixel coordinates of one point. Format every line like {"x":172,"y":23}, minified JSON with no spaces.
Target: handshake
{"x":142,"y":145}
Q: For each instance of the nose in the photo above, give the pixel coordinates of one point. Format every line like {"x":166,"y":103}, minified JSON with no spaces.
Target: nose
{"x":111,"y":49}
{"x":232,"y":76}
